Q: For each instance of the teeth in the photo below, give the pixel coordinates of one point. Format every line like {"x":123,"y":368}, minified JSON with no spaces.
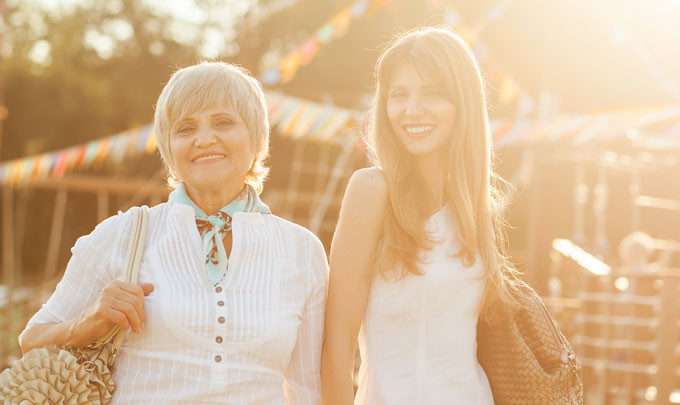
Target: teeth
{"x":207,"y":157}
{"x":418,"y":130}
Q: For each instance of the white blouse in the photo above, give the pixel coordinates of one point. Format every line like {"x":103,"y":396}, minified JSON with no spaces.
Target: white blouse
{"x":254,"y":339}
{"x":418,"y":340}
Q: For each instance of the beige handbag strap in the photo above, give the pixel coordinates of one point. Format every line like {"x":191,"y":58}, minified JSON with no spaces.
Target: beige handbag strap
{"x":133,"y":259}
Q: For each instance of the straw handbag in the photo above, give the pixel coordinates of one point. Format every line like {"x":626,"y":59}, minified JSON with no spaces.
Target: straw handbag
{"x":75,"y":375}
{"x":526,"y":358}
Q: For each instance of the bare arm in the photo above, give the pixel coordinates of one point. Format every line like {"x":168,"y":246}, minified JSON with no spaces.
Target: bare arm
{"x":88,"y":300}
{"x":353,"y":254}
{"x":118,"y":304}
{"x":43,"y":334}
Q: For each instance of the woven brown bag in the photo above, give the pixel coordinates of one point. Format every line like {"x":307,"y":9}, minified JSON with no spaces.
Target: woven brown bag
{"x":527,"y":359}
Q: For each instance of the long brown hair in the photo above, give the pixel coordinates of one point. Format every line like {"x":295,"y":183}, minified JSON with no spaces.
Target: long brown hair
{"x":471,"y":186}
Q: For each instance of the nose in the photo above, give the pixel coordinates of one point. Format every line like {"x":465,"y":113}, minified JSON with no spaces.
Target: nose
{"x":414,"y":107}
{"x":204,"y":137}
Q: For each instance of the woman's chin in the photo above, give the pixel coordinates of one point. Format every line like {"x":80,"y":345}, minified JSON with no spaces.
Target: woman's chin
{"x":211,"y":182}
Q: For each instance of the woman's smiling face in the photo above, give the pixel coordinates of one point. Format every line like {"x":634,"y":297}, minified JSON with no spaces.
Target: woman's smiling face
{"x":418,"y":111}
{"x":211,"y":148}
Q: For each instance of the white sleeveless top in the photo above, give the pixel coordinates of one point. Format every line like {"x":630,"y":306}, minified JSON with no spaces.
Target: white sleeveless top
{"x":418,"y":340}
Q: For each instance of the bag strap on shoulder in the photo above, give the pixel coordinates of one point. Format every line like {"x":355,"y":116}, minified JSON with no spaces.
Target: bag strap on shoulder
{"x":135,"y":250}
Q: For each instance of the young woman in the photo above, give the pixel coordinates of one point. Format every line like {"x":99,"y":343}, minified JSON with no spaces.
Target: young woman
{"x":236,"y":312}
{"x":418,"y":252}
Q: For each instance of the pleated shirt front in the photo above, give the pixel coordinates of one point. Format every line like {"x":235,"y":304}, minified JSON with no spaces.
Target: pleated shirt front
{"x":253,"y":339}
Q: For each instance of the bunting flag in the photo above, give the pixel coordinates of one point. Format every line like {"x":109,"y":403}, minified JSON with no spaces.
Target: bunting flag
{"x":510,"y":89}
{"x":290,"y":116}
{"x":298,"y":118}
{"x":579,"y":130}
{"x":336,"y":27}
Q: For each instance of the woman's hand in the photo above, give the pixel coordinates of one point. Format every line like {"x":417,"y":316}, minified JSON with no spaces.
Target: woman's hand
{"x":119,"y":303}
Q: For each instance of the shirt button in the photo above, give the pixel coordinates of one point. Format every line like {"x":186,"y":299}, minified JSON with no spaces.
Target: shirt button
{"x":218,"y":289}
{"x":220,"y":303}
{"x":218,"y":358}
{"x":218,"y":339}
{"x":220,"y":319}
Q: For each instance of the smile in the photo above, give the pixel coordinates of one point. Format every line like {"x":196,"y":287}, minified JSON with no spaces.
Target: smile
{"x":207,"y":157}
{"x":418,"y":130}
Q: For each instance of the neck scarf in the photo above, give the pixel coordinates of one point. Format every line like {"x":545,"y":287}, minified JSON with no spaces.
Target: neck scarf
{"x":213,"y":228}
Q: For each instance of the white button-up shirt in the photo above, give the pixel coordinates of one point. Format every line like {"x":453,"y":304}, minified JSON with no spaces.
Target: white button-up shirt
{"x":253,"y":339}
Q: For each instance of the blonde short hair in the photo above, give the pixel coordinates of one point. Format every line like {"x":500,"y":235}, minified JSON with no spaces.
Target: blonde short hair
{"x":210,"y":84}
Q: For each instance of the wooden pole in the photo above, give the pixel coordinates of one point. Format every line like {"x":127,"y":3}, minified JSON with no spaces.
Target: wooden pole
{"x":667,"y":338}
{"x":20,"y":232}
{"x":102,"y":206}
{"x":580,"y":200}
{"x":322,"y":176}
{"x":7,"y":263}
{"x":290,"y":201}
{"x":8,"y":240}
{"x":55,"y":234}
{"x":634,"y":190}
{"x":600,"y":194}
{"x":336,"y":175}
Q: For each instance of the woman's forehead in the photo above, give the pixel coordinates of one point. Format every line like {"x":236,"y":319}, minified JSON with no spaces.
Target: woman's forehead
{"x":408,"y":74}
{"x":207,"y":111}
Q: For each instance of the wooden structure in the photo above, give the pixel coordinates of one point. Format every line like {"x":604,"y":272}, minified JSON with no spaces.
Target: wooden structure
{"x":623,"y":324}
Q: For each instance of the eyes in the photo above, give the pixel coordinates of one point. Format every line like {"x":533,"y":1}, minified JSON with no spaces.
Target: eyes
{"x":188,"y":127}
{"x":397,"y":94}
{"x":185,"y":129}
{"x":428,"y":93}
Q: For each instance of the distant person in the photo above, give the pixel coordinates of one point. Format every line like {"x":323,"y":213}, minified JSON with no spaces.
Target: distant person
{"x":635,"y":252}
{"x":418,"y":254}
{"x":230,"y":303}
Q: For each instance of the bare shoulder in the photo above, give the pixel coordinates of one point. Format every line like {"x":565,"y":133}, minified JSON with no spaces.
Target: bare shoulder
{"x":368,"y":185}
{"x":360,"y":226}
{"x":363,"y":207}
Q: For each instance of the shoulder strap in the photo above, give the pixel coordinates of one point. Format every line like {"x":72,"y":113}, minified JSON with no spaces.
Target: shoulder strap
{"x":135,"y":249}
{"x":133,"y":259}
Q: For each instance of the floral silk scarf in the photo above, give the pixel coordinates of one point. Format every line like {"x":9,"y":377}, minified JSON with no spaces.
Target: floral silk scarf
{"x":213,"y":228}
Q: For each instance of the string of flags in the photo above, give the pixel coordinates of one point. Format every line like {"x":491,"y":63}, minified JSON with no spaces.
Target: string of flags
{"x":300,"y":118}
{"x":509,"y":89}
{"x":290,"y":116}
{"x":303,"y":119}
{"x":334,"y":28}
{"x":577,"y":130}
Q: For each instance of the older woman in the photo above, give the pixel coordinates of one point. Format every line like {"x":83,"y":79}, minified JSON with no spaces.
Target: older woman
{"x":230,"y":302}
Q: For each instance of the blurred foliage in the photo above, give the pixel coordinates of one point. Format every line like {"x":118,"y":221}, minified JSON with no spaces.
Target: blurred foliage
{"x":75,"y":93}
{"x":96,"y":68}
